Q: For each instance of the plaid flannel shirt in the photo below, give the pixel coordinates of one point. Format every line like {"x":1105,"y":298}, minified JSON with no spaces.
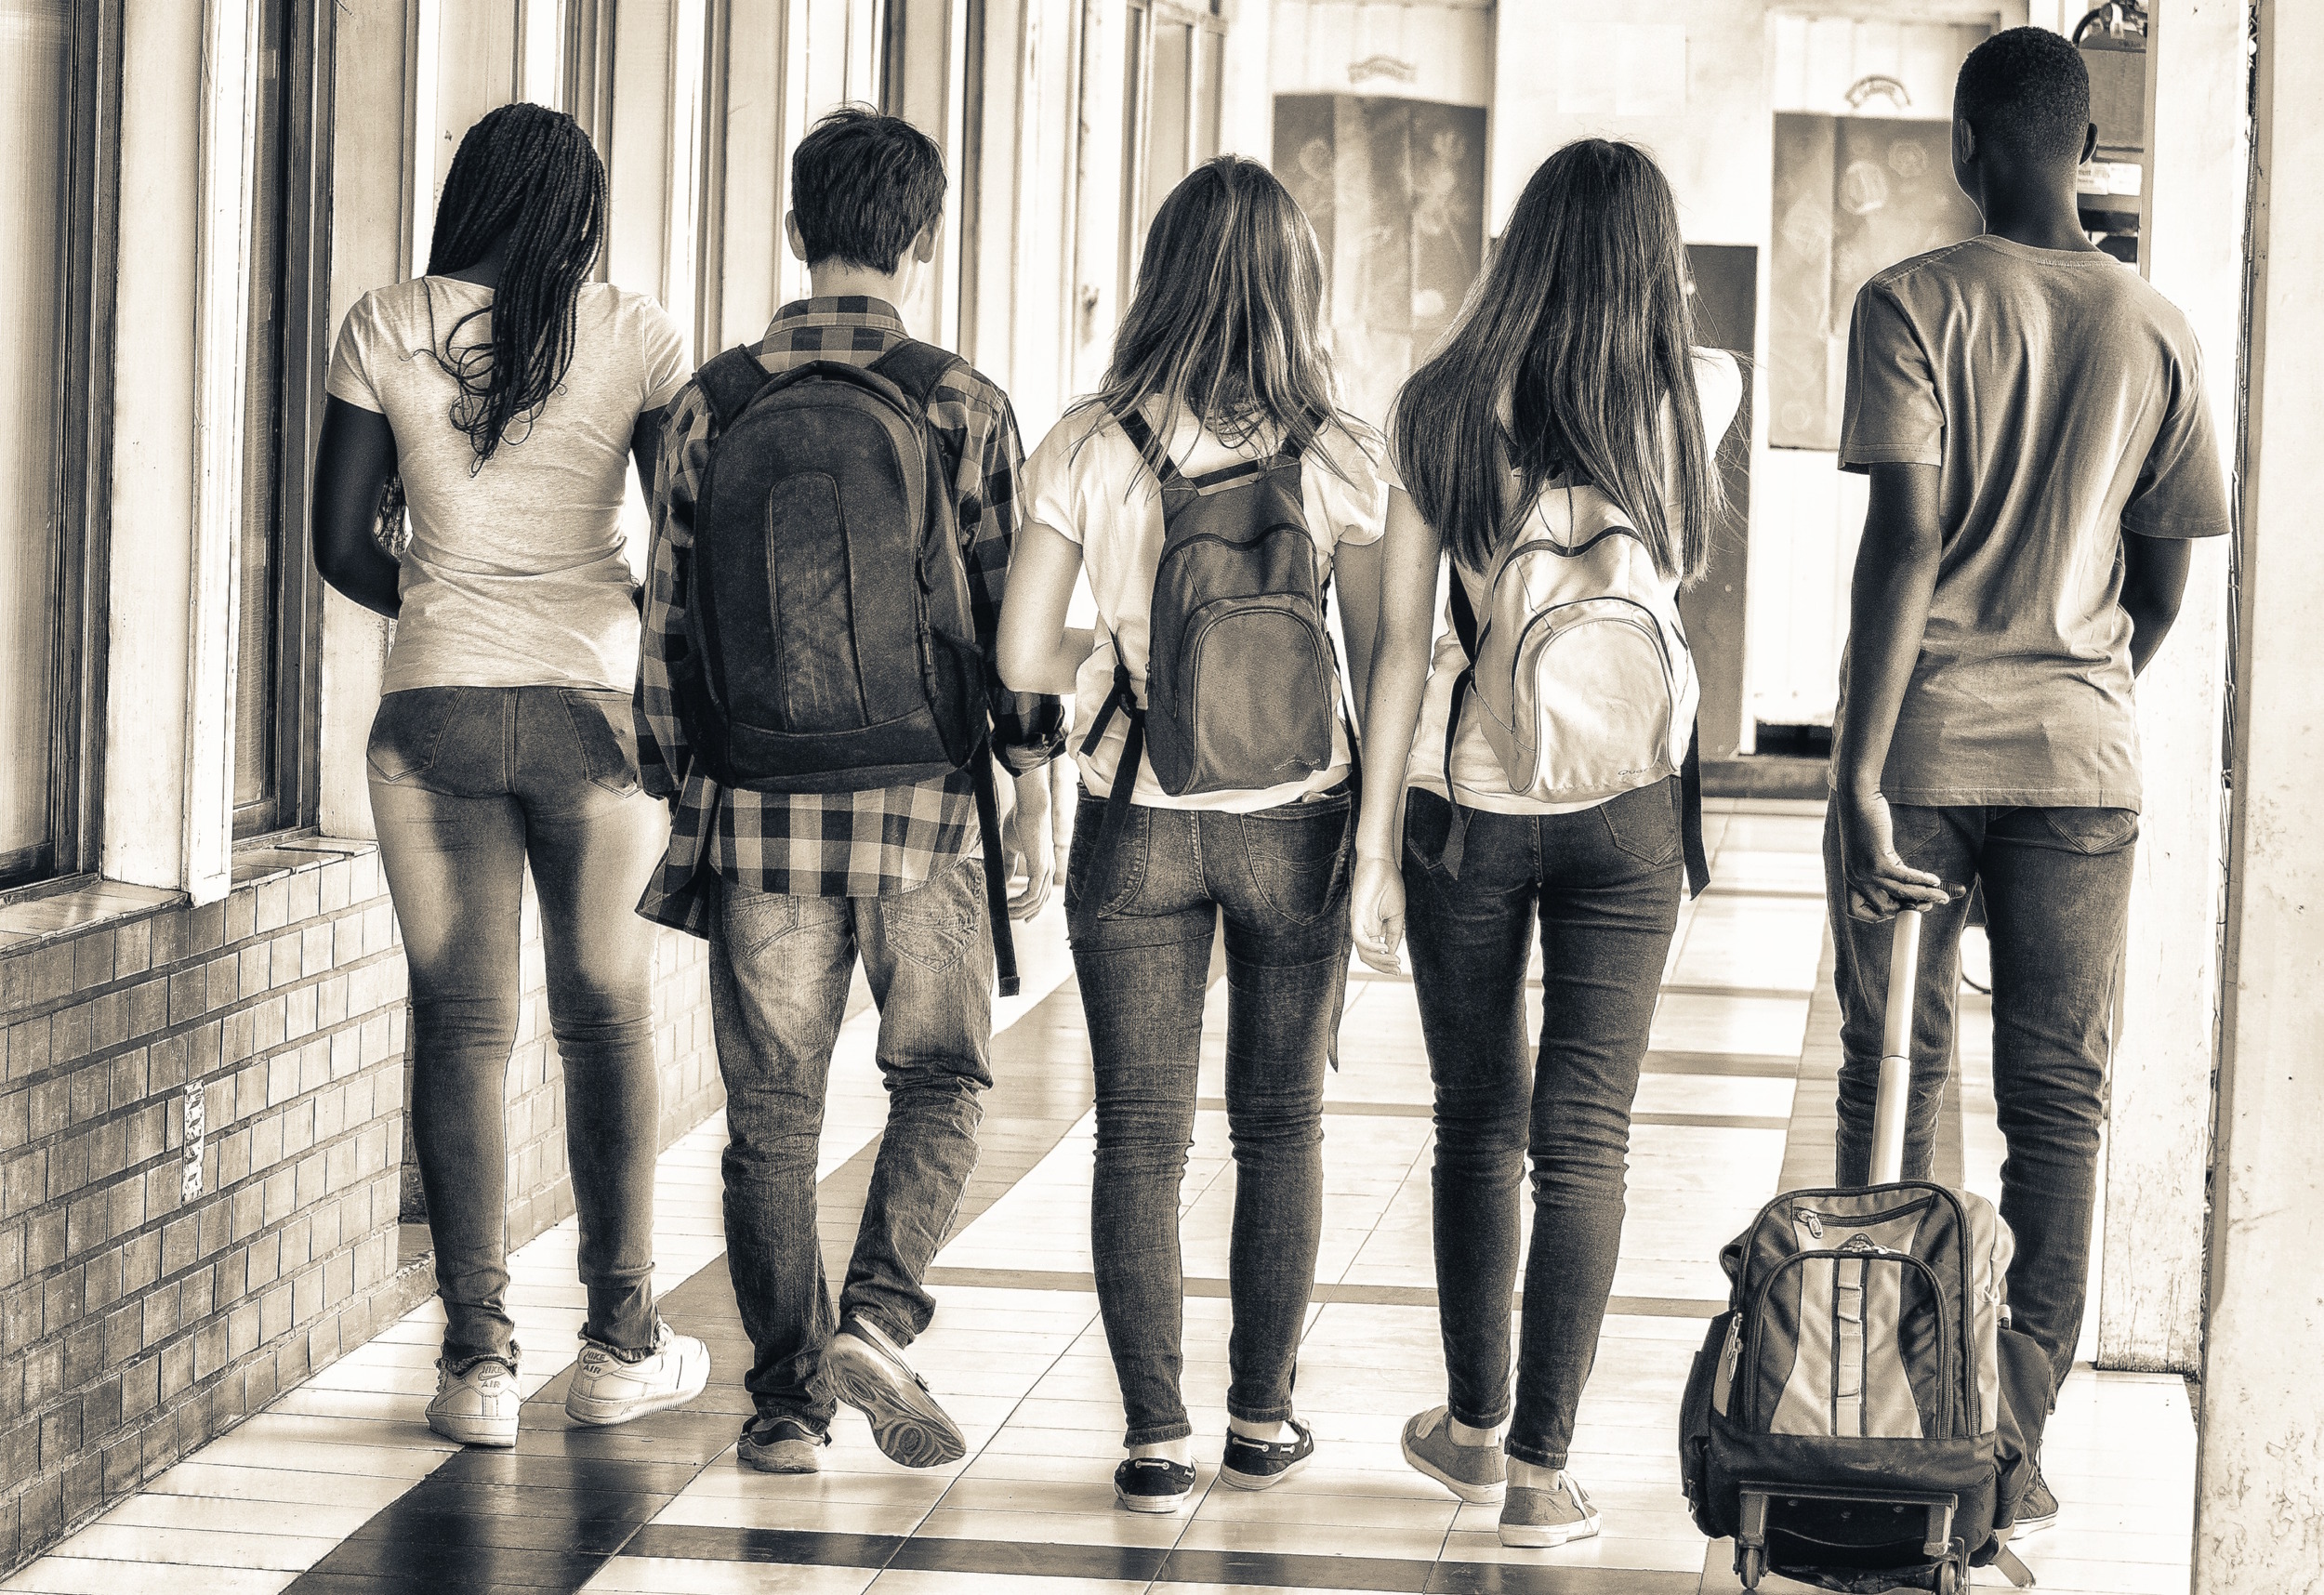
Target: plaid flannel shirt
{"x":828,"y":844}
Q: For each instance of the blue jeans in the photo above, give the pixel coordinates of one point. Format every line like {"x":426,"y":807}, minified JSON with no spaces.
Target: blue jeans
{"x":779,"y":971}
{"x":1603,"y":884}
{"x":1143,"y":922}
{"x":469,"y":785}
{"x":2058,"y":893}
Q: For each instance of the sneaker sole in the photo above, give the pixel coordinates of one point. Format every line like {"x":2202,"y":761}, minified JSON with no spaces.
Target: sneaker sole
{"x":474,"y":1432}
{"x":907,"y":1424}
{"x":1264,"y":1480}
{"x":1157,"y":1504}
{"x":1547,"y":1536}
{"x":605,"y":1414}
{"x":2027,"y":1527}
{"x":1475,"y":1494}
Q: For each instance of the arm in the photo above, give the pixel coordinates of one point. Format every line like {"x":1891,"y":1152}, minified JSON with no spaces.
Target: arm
{"x":1358,"y":569}
{"x":1405,"y":630}
{"x":1028,"y":727}
{"x":353,"y":461}
{"x":663,"y":755}
{"x":1888,"y":613}
{"x":1037,"y":652}
{"x":2153,"y":580}
{"x":645,"y":446}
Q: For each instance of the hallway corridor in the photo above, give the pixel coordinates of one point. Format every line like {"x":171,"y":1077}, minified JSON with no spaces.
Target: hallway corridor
{"x":339,"y":1487}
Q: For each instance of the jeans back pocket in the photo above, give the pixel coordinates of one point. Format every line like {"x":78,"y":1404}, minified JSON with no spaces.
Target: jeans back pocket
{"x":606,"y":735}
{"x":1298,"y":855}
{"x":407,"y":733}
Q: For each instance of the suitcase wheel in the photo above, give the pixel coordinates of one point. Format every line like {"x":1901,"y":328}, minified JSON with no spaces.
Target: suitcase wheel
{"x":1751,"y":1565}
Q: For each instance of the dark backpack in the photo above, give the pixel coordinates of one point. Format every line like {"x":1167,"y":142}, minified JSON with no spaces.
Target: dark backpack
{"x":1239,"y":666}
{"x":1864,"y":1414}
{"x":830,"y":644}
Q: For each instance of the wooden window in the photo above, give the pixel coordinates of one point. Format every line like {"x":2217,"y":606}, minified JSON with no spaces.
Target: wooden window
{"x":59,"y":75}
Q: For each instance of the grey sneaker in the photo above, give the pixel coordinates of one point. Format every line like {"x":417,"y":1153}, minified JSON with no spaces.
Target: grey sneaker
{"x":785,"y":1446}
{"x":608,"y":1388}
{"x":1536,"y":1520}
{"x":2039,"y":1511}
{"x":863,"y":1368}
{"x":476,"y":1406}
{"x":1476,"y":1473}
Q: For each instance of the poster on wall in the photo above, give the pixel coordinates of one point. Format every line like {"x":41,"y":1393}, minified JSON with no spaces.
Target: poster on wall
{"x":1395,"y":189}
{"x":1853,"y":196}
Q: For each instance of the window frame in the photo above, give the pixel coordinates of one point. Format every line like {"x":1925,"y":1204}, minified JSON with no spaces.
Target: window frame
{"x":81,"y":487}
{"x":1143,"y":19}
{"x":302,"y":315}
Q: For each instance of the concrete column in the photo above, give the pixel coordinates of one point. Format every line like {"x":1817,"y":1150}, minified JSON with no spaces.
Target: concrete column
{"x":2259,"y":1523}
{"x":2191,"y":247}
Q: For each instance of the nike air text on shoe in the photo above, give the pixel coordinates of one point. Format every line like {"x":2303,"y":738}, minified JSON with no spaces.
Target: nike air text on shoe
{"x":1476,"y":1473}
{"x":1536,"y":1520}
{"x":785,"y":1446}
{"x":608,"y":1388}
{"x":1153,"y":1484}
{"x":1262,"y":1464}
{"x":477,"y":1405}
{"x":862,"y":1367}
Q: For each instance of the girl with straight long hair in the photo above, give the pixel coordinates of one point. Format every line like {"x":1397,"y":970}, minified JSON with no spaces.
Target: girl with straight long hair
{"x":1218,"y":378}
{"x":507,"y":394}
{"x":1573,"y":362}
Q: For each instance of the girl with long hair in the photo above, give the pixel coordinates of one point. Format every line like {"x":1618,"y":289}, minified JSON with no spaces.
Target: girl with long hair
{"x":1219,"y":375}
{"x":507,"y":394}
{"x":1573,"y":362}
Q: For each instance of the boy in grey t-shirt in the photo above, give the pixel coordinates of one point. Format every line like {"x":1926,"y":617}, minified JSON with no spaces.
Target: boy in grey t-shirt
{"x":2032,"y":419}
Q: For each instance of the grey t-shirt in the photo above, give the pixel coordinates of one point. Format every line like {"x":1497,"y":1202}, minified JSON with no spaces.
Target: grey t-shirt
{"x":517,"y":575}
{"x":2061,"y":398}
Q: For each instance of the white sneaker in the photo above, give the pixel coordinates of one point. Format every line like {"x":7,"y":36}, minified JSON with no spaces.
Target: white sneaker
{"x":608,"y":1388}
{"x":477,"y":1405}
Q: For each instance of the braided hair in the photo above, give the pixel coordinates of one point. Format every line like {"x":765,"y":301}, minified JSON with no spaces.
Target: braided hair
{"x":528,"y":175}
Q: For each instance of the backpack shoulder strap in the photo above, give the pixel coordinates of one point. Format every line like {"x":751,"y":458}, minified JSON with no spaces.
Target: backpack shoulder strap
{"x":1141,"y":438}
{"x":1464,"y":616}
{"x":917,"y":368}
{"x":731,"y":380}
{"x":1691,"y":814}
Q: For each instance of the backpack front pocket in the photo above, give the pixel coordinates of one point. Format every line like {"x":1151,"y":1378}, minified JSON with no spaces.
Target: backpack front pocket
{"x":1257,"y":673}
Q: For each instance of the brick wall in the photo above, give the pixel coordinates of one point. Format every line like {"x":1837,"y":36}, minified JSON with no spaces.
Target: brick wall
{"x":159,"y":1283}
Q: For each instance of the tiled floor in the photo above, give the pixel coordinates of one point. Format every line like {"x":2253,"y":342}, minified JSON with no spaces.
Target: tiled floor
{"x":340,"y":1487}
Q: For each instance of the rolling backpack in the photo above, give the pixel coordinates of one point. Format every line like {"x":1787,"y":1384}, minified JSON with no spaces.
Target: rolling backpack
{"x":1862,"y":1418}
{"x":830,"y":643}
{"x":1239,"y":660}
{"x":1583,"y":681}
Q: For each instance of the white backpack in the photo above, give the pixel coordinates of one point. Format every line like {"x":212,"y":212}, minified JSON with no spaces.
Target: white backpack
{"x":1584,"y":685}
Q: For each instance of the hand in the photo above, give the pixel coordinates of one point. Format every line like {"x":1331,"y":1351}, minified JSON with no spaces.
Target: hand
{"x":1376,"y":908}
{"x":1879,"y":884}
{"x":1024,"y":841}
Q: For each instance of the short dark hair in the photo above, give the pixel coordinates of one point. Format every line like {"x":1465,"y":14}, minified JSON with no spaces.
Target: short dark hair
{"x":864,"y":186}
{"x":2028,"y":89}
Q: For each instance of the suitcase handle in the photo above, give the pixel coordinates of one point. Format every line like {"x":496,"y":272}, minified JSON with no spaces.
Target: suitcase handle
{"x":1895,"y":1087}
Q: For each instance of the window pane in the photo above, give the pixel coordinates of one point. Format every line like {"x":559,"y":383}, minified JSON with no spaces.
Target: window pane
{"x":1133,"y":125}
{"x":1209,"y":86}
{"x":1166,"y":134}
{"x":257,"y":655}
{"x":35,"y":123}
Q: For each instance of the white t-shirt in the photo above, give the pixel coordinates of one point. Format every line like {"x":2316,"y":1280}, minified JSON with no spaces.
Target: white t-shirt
{"x":1476,"y":769}
{"x":517,"y":575}
{"x":1088,"y":483}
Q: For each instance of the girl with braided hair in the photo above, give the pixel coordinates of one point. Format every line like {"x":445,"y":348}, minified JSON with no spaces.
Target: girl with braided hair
{"x":507,"y":394}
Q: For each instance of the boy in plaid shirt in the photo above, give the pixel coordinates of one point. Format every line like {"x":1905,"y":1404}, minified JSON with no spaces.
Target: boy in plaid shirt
{"x":789,"y":887}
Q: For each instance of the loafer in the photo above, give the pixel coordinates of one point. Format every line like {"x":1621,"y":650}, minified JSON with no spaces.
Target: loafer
{"x":785,"y":1446}
{"x":1262,"y":1464}
{"x":863,"y":1368}
{"x":1153,"y":1484}
{"x":1475,"y":1473}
